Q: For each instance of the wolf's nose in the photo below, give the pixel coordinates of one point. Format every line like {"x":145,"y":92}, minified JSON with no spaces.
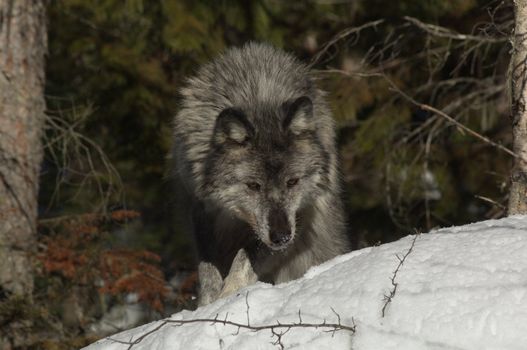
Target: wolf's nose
{"x":280,"y":238}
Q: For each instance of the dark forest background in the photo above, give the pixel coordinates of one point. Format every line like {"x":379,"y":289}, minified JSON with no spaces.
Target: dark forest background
{"x":108,"y":229}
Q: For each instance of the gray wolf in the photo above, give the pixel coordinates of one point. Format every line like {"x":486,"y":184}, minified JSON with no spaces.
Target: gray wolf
{"x":257,"y":167}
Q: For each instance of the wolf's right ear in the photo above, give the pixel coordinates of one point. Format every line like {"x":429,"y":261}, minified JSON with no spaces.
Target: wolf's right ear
{"x":299,"y":115}
{"x":232,"y":125}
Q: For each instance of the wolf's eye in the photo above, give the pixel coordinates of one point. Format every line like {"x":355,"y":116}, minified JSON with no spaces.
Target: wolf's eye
{"x":292,"y":182}
{"x":254,"y":186}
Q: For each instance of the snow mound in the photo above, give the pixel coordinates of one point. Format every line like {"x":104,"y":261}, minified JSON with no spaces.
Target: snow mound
{"x":456,"y":288}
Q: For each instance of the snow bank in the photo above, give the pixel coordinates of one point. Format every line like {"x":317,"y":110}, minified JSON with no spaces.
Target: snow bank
{"x":458,"y":288}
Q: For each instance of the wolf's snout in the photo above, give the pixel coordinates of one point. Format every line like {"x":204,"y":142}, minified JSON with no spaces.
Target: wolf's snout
{"x":279,"y":228}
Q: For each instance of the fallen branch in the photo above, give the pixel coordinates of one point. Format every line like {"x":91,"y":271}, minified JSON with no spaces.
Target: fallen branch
{"x":286,"y":327}
{"x":277,"y":329}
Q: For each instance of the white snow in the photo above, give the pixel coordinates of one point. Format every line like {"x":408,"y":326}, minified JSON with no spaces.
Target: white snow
{"x":459,"y":288}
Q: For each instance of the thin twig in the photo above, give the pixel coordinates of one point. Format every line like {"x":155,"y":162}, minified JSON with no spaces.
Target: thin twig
{"x":67,"y":146}
{"x":247,"y":310}
{"x":449,"y":118}
{"x":429,"y":108}
{"x":345,"y":33}
{"x":443,"y":32}
{"x":388,"y":298}
{"x":491,"y":201}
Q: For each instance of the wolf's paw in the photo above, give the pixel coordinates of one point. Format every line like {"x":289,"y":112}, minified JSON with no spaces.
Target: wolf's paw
{"x":210,"y":283}
{"x":240,"y":275}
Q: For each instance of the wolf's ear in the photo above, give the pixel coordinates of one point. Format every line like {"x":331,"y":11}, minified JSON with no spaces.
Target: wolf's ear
{"x":232,"y":125}
{"x":299,"y":115}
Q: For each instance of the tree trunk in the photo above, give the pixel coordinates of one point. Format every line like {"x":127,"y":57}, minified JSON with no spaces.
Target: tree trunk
{"x":23,"y":44}
{"x":518,"y":189}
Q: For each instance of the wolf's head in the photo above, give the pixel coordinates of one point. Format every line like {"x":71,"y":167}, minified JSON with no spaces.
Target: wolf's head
{"x":266,"y":164}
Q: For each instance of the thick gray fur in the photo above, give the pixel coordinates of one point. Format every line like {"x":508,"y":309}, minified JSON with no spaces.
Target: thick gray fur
{"x":264,"y":175}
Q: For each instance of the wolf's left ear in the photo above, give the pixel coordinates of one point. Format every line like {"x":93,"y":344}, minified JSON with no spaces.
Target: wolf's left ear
{"x":299,"y":115}
{"x":232,"y":125}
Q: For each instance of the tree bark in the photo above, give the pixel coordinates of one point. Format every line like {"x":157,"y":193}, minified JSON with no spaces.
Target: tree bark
{"x":23,"y":44}
{"x":518,"y":189}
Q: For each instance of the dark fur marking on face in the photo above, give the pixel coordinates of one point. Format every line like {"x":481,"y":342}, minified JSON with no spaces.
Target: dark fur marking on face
{"x":273,"y":167}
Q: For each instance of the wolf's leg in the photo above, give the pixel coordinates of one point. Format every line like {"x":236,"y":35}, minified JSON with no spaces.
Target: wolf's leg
{"x":240,"y":275}
{"x":210,"y":283}
{"x":210,"y":279}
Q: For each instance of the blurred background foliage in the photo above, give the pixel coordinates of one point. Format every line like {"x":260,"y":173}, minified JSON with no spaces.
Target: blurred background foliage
{"x":114,"y":69}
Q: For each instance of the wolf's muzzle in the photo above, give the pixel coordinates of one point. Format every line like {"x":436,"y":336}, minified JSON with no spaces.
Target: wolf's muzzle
{"x":279,"y":228}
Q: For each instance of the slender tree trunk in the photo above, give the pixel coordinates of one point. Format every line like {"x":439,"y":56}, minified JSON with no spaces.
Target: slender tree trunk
{"x":518,"y":190}
{"x":23,"y":44}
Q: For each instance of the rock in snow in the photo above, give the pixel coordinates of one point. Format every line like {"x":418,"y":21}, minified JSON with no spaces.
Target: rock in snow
{"x":458,"y":288}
